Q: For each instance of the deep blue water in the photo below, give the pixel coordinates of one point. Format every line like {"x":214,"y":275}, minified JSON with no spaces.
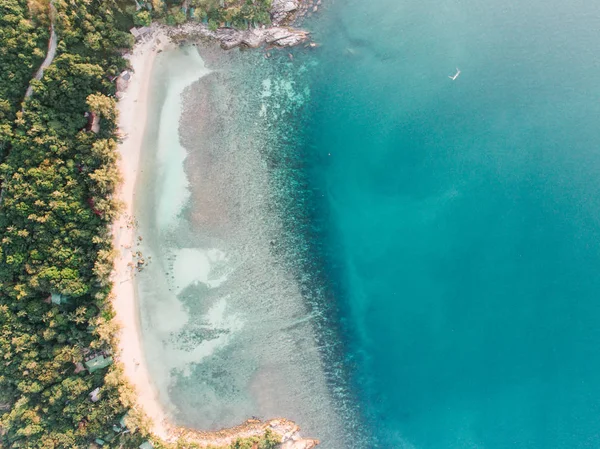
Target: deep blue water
{"x":463,"y":216}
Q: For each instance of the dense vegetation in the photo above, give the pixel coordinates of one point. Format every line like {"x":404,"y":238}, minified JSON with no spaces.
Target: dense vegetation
{"x":56,"y":207}
{"x":233,"y":13}
{"x":57,"y":181}
{"x":22,"y":47}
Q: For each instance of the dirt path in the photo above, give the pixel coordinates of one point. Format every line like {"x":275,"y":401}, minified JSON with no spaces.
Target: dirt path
{"x":52,"y":43}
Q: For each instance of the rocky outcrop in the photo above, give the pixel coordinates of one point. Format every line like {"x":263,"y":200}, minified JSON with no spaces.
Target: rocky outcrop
{"x":301,"y":443}
{"x":290,"y":435}
{"x":286,"y":430}
{"x":278,"y":36}
{"x":231,"y":38}
{"x":283,"y":11}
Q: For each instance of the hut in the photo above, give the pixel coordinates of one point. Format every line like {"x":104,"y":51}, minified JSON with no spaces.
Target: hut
{"x":108,"y":438}
{"x":140,"y":33}
{"x":97,"y":361}
{"x":123,"y":425}
{"x":122,"y":82}
{"x":95,"y":394}
{"x":146,"y":445}
{"x":93,"y":123}
{"x":58,"y":299}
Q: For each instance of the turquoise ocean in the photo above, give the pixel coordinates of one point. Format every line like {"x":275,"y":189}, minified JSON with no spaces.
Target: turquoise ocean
{"x":460,"y":220}
{"x":347,"y":237}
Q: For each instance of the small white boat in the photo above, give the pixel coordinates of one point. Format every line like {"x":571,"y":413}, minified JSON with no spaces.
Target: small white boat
{"x":456,"y":75}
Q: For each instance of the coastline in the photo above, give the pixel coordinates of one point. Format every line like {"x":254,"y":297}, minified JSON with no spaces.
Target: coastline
{"x":132,"y":107}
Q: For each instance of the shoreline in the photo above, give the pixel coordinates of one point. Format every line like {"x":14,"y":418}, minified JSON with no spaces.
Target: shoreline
{"x":133,"y":111}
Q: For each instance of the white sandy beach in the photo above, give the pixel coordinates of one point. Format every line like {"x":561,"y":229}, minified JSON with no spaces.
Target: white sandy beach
{"x":132,"y":121}
{"x":133,"y":114}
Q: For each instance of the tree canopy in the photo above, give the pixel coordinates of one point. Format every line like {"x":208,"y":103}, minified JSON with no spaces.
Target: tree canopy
{"x":58,"y":180}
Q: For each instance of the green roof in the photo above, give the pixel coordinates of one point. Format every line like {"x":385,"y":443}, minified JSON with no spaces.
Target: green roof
{"x":109,"y":437}
{"x":122,"y":420}
{"x":57,"y":298}
{"x":97,"y":363}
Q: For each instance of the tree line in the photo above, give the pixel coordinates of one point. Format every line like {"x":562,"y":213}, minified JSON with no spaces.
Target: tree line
{"x":239,"y":14}
{"x":57,"y":203}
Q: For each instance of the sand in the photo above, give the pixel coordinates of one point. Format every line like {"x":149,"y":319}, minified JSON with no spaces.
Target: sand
{"x":132,"y":121}
{"x":132,"y":108}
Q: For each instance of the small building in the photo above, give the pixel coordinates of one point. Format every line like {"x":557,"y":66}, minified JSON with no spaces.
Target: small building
{"x":109,"y":438}
{"x":135,"y":32}
{"x":146,"y":445}
{"x":140,"y":33}
{"x":97,"y":361}
{"x":123,"y":425}
{"x":95,"y":394}
{"x":58,"y":299}
{"x":93,"y":123}
{"x":122,"y":82}
{"x":122,"y":420}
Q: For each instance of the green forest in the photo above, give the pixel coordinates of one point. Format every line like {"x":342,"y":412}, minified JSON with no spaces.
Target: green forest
{"x":58,"y":388}
{"x":231,"y":13}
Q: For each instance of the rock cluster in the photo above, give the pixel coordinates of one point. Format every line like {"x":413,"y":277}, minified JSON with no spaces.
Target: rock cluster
{"x":301,"y":443}
{"x":278,"y":36}
{"x":231,"y":38}
{"x":283,"y":11}
{"x":290,"y":435}
{"x":288,"y":12}
{"x":287,"y":430}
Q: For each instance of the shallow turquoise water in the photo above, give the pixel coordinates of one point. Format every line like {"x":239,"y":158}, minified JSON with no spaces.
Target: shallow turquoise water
{"x":461,"y":217}
{"x":388,"y":257}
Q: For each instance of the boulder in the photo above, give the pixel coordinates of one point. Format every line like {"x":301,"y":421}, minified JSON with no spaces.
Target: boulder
{"x":253,"y":38}
{"x":281,"y":10}
{"x":230,"y":38}
{"x":301,"y":443}
{"x":285,"y":37}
